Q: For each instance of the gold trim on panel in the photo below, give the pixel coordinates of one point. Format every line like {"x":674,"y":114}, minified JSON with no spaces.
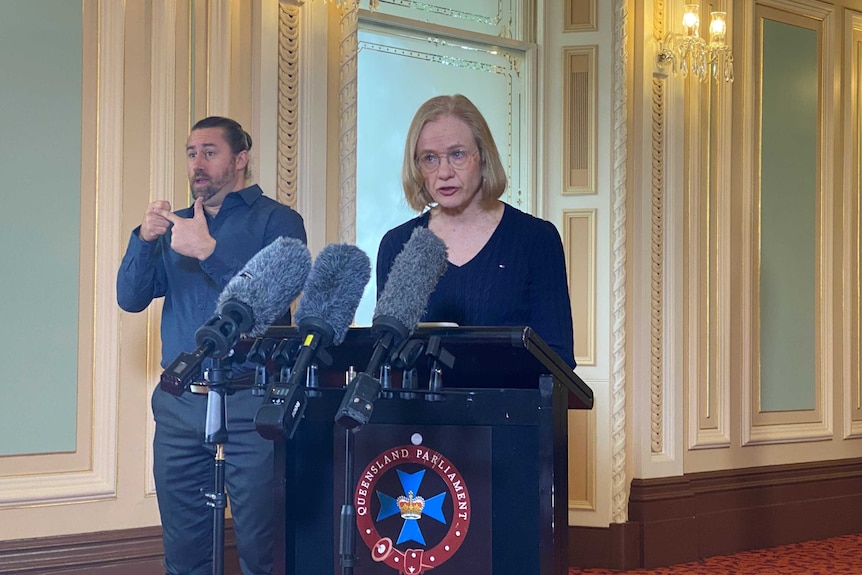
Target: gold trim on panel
{"x":708,"y":268}
{"x":313,"y":139}
{"x":748,"y":149}
{"x":658,"y":18}
{"x":163,"y":56}
{"x":657,"y":261}
{"x":528,"y":18}
{"x":798,"y":425}
{"x":580,"y":16}
{"x":582,"y":459}
{"x":703,"y":425}
{"x":852,"y":237}
{"x":95,"y":476}
{"x":579,"y":120}
{"x":347,"y":111}
{"x":288,"y":102}
{"x":199,"y":101}
{"x":219,"y":58}
{"x":264,"y":104}
{"x":79,"y":458}
{"x":163,"y":169}
{"x":242,"y":55}
{"x":579,"y":241}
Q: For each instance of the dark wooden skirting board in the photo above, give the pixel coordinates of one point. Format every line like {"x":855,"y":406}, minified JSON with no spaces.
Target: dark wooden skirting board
{"x":122,"y":552}
{"x":681,"y":519}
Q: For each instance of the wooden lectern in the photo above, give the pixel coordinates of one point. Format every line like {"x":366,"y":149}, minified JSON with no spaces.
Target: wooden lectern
{"x":468,"y":477}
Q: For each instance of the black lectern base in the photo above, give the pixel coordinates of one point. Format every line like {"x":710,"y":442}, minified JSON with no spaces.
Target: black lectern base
{"x":461,"y":485}
{"x":472,"y":480}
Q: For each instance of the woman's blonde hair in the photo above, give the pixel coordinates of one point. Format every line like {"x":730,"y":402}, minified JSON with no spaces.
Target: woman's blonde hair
{"x":460,"y":107}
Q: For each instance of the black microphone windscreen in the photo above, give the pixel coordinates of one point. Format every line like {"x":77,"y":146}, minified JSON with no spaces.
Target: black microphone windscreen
{"x":268,"y":283}
{"x":413,"y":276}
{"x":334,"y":287}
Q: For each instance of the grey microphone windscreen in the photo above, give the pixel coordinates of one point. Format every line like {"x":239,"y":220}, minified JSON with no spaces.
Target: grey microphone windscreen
{"x":413,"y":276}
{"x":334,"y":287}
{"x":266,"y":286}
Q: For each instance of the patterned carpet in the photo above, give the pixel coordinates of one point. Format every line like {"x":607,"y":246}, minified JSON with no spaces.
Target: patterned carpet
{"x":837,"y":556}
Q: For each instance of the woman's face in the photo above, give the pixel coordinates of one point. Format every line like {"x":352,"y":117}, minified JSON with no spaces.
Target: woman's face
{"x":449,"y":160}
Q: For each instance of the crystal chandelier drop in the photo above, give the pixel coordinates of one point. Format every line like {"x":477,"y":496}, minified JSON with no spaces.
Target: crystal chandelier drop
{"x":688,"y":53}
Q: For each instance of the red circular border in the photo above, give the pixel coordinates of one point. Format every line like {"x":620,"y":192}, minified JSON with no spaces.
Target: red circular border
{"x":457,"y":530}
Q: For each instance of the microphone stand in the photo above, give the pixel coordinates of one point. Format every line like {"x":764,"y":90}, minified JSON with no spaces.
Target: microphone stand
{"x":355,"y":410}
{"x":347,"y":525}
{"x":216,"y":379}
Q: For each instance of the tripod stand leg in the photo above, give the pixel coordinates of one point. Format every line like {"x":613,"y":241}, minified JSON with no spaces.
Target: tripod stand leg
{"x":217,"y":501}
{"x":347,"y":531}
{"x":216,"y":434}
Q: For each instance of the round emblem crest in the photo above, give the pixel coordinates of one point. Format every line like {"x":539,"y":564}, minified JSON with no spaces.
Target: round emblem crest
{"x":440,"y":501}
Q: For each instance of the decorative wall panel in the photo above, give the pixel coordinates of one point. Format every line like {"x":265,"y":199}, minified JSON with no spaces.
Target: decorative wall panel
{"x":852,"y":237}
{"x":709,"y":360}
{"x":767,"y":203}
{"x":579,"y":16}
{"x":288,"y":100}
{"x":579,"y":240}
{"x":89,"y":472}
{"x":219,"y":58}
{"x":579,"y":121}
{"x":39,"y":116}
{"x":582,"y":459}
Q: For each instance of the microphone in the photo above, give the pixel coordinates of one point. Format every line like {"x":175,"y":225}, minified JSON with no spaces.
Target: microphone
{"x":264,"y":289}
{"x":259,"y":294}
{"x":413,"y":276}
{"x":329,"y":301}
{"x":332,"y":293}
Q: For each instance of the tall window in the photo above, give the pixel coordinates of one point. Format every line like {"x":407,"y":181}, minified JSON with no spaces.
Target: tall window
{"x":434,"y":48}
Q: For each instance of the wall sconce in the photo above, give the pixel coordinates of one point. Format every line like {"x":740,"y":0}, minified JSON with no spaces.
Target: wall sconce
{"x":689,"y":53}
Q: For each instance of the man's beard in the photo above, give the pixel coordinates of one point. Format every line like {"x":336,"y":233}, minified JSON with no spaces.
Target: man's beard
{"x":212,"y":187}
{"x":207,"y":192}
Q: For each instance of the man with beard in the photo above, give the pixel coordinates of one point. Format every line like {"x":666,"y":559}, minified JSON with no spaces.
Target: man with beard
{"x":188,"y":257}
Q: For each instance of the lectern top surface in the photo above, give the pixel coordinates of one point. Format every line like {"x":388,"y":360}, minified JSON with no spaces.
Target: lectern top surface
{"x":484,"y":357}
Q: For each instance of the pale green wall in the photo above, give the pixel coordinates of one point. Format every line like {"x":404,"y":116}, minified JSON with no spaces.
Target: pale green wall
{"x":40,"y":159}
{"x":788,"y":217}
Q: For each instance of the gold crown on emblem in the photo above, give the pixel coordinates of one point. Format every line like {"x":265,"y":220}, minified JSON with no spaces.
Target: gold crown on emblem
{"x":411,"y":507}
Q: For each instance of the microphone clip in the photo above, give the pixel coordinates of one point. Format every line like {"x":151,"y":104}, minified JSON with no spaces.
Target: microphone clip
{"x":358,"y":402}
{"x":281,"y":412}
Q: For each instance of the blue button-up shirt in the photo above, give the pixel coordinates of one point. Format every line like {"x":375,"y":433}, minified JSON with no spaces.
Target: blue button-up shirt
{"x":246,"y":222}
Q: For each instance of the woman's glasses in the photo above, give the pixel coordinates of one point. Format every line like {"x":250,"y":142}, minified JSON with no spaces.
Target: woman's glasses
{"x":457,"y":159}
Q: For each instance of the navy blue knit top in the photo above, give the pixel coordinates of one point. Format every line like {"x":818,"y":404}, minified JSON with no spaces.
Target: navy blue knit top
{"x":517,"y":279}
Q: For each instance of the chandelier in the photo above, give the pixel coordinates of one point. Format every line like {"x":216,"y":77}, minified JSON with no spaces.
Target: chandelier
{"x":688,"y":53}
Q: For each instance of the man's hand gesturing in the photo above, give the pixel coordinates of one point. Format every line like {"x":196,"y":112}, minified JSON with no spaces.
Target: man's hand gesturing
{"x":155,"y":224}
{"x":190,"y":236}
